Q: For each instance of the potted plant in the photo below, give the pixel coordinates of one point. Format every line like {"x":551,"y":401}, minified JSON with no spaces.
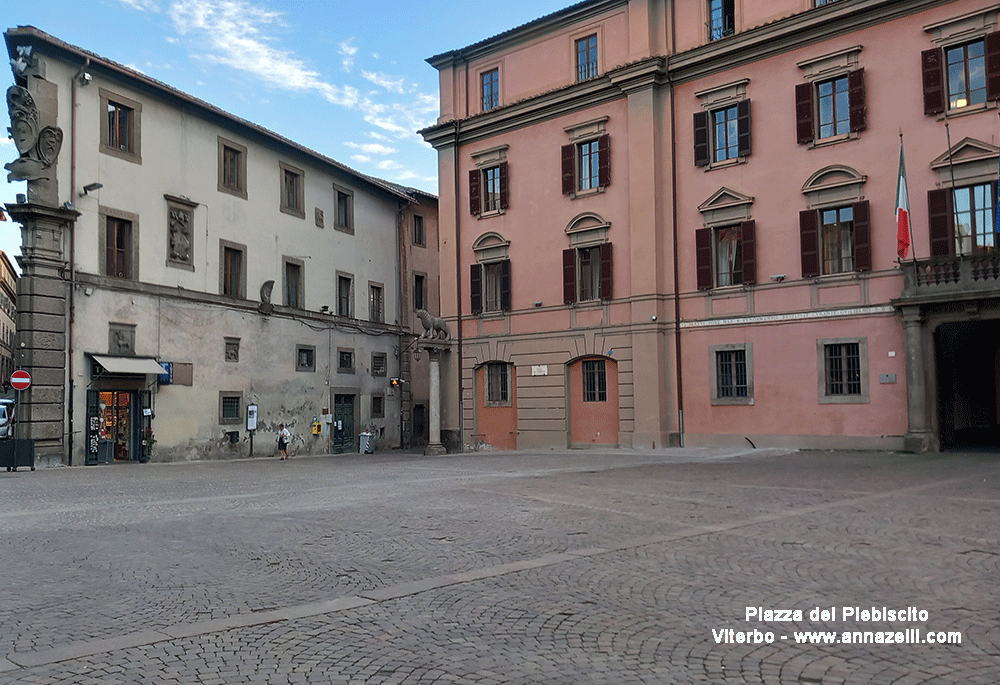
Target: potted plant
{"x":147,"y":445}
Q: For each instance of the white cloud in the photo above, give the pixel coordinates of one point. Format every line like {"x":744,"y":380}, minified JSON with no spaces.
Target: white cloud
{"x":4,"y":142}
{"x":142,"y":5}
{"x":388,"y":164}
{"x":361,"y":159}
{"x":347,"y":51}
{"x":384,"y":81}
{"x":372,"y":148}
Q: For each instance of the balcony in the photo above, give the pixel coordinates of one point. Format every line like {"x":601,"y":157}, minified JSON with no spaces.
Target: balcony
{"x":950,"y":279}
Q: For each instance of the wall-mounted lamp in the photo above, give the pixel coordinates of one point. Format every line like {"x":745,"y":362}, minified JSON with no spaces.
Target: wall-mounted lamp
{"x":91,"y":186}
{"x":537,"y":304}
{"x":416,"y":354}
{"x":778,"y":277}
{"x":85,"y":79}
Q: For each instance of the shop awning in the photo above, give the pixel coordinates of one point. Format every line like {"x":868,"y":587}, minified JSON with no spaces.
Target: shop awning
{"x":133,"y":365}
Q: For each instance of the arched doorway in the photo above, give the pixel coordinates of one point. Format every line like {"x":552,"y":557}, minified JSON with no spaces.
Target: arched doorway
{"x":593,"y":401}
{"x":496,"y":405}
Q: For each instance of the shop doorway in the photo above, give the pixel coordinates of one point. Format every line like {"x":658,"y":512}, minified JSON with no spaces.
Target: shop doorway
{"x":343,"y":424}
{"x":115,"y":424}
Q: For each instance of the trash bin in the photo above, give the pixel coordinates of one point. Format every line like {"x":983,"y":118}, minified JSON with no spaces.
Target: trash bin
{"x":366,"y":443}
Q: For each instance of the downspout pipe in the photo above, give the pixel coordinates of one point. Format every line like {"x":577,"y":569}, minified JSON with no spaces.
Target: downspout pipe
{"x":679,"y":367}
{"x":72,"y":266}
{"x":458,"y":297}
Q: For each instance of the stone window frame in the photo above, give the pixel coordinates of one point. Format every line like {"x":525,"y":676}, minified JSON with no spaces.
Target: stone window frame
{"x":299,"y":209}
{"x":421,"y":239}
{"x":350,"y":295}
{"x":586,"y":132}
{"x":713,"y":357}
{"x":597,"y":31}
{"x":241,"y":190}
{"x":376,"y":311}
{"x":424,"y":290}
{"x":824,"y":69}
{"x":135,"y":131}
{"x":381,"y":400}
{"x":230,"y":420}
{"x":223,"y":244}
{"x":180,"y":204}
{"x":384,"y":358}
{"x":301,"y":303}
{"x":339,"y":190}
{"x":308,"y":367}
{"x":485,"y":162}
{"x":720,"y":98}
{"x":482,"y":71}
{"x":346,"y":369}
{"x":104,"y":213}
{"x":864,"y":397}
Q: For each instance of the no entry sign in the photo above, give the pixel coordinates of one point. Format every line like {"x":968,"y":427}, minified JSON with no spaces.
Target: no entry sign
{"x":20,"y":380}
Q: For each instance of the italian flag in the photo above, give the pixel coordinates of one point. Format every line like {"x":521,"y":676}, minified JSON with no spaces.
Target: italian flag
{"x":902,"y":209}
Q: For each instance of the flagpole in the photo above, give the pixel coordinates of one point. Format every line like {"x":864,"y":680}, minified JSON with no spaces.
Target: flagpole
{"x":909,"y":216}
{"x":951,"y":170}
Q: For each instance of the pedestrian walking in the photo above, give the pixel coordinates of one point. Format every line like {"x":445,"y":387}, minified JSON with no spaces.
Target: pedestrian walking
{"x":283,"y":437}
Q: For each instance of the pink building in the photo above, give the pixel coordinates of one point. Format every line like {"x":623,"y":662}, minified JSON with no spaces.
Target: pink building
{"x":675,"y":223}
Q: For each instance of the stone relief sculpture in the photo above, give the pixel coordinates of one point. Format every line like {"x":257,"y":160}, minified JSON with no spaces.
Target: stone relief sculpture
{"x":38,"y":148}
{"x":180,"y":236}
{"x":434,"y":327}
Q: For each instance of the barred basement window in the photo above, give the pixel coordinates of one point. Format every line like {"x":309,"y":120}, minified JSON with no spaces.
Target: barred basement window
{"x":378,"y":363}
{"x":497,"y":383}
{"x":594,"y":381}
{"x":843,"y":369}
{"x":731,"y":374}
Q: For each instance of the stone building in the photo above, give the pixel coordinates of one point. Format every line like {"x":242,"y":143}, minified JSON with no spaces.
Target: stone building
{"x":187,"y":272}
{"x":8,"y":312}
{"x":675,"y":223}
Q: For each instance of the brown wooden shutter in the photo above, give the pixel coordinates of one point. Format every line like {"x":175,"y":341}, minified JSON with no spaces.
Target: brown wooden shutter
{"x":743,"y":128}
{"x":476,"y":287}
{"x":804,"y":127}
{"x":701,"y":149}
{"x":992,"y":44}
{"x":748,"y":240}
{"x":604,"y":161}
{"x":569,"y":276}
{"x":940,"y":220}
{"x":857,"y":107}
{"x":475,"y":204}
{"x":568,"y":169}
{"x":862,"y":237}
{"x":607,"y":272}
{"x":809,"y":242}
{"x":505,"y":285}
{"x":703,"y":257}
{"x":932,"y":68}
{"x":504,"y":186}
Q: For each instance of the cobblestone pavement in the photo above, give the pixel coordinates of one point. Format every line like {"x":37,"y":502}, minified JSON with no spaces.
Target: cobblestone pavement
{"x":555,"y":567}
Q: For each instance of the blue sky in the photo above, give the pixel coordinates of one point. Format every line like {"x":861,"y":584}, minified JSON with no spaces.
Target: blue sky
{"x":347,"y":79}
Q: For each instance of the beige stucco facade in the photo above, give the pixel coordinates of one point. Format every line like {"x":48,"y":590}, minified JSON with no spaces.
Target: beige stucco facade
{"x":754,"y":291}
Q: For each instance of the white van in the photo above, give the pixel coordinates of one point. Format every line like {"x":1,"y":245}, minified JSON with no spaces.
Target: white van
{"x":6,"y":419}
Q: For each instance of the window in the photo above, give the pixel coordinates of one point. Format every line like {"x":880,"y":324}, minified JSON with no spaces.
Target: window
{"x":305,"y":358}
{"x":723,"y":134}
{"x":232,"y":349}
{"x":419,"y":236}
{"x":721,"y":18}
{"x":488,"y":190}
{"x":586,"y":58}
{"x":120,"y":133}
{"x":232,"y":168}
{"x":587,"y":273}
{"x":378,"y":407}
{"x":962,"y":220}
{"x":345,"y":360}
{"x":292,"y":190}
{"x":293,"y":284}
{"x":119,"y":248}
{"x":586,"y":166}
{"x":345,"y":296}
{"x":960,"y":75}
{"x":842,"y":365}
{"x":497,"y":383}
{"x":491,"y":89}
{"x":726,"y":255}
{"x":345,"y":209}
{"x":230,"y":404}
{"x":831,"y":109}
{"x":820,"y":3}
{"x":491,"y":287}
{"x":966,"y":68}
{"x":378,"y":363}
{"x":732,"y":374}
{"x":419,"y":295}
{"x":835,"y":240}
{"x":595,"y":388}
{"x":375,"y":303}
{"x":233,"y":271}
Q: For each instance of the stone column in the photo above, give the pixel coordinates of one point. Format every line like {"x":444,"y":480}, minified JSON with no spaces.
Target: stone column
{"x":919,"y":436}
{"x":434,"y":349}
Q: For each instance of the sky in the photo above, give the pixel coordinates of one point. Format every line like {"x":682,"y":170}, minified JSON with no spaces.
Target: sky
{"x":347,"y":79}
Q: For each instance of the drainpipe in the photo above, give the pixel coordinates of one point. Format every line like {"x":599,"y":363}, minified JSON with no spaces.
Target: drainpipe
{"x":72,"y":263}
{"x":458,"y":298}
{"x":673,"y":190}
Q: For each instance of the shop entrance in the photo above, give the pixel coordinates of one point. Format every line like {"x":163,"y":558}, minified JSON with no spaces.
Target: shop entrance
{"x":968,"y":377}
{"x":115,"y":423}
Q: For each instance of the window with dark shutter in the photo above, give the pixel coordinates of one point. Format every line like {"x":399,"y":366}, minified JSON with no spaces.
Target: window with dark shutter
{"x":569,"y":276}
{"x":748,"y":240}
{"x":476,"y":288}
{"x":703,"y":257}
{"x":568,"y":169}
{"x":604,"y":163}
{"x":504,"y":191}
{"x":862,"y":237}
{"x":932,"y":68}
{"x":743,"y":127}
{"x":701,"y":146}
{"x":505,"y":285}
{"x":804,"y":127}
{"x":809,"y":242}
{"x":606,"y":272}
{"x":856,"y":99}
{"x":940,"y":220}
{"x":992,"y":46}
{"x":475,"y":203}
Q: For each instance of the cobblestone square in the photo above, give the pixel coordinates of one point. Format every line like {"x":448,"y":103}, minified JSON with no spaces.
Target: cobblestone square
{"x":667,"y":566}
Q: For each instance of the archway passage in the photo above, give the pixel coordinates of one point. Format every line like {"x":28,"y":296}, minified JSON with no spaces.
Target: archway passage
{"x":968,"y":379}
{"x":593,"y":401}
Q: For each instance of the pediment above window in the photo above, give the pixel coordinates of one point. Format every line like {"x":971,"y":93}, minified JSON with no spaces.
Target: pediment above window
{"x":587,"y":229}
{"x":726,"y":206}
{"x":490,"y":157}
{"x":490,"y":247}
{"x":968,"y":161}
{"x":964,"y":27}
{"x":835,"y":184}
{"x":832,"y":64}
